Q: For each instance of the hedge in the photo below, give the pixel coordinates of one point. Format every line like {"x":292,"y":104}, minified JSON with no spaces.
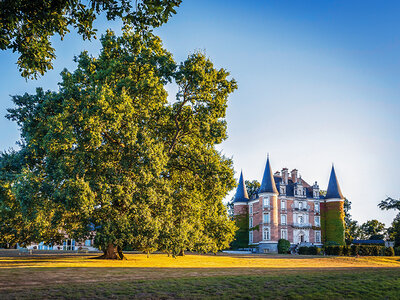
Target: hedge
{"x":362,"y":250}
{"x":283,"y":246}
{"x":309,"y":250}
{"x":397,"y":251}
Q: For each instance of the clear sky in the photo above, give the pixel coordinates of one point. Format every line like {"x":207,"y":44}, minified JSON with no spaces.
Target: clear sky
{"x":319,"y":83}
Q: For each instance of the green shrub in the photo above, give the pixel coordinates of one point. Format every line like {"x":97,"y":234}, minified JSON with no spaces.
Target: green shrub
{"x":283,"y":246}
{"x":314,"y":250}
{"x":303,"y":250}
{"x":389,"y":251}
{"x":355,"y":249}
{"x":397,"y":251}
{"x":346,"y":250}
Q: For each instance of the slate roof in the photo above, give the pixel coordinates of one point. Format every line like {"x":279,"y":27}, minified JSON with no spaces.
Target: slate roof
{"x":268,"y":183}
{"x":241,"y":191}
{"x":333,"y":187}
{"x":290,"y":187}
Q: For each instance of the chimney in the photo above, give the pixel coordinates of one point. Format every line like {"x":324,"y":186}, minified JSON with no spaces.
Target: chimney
{"x":285,"y":176}
{"x":294,"y":173}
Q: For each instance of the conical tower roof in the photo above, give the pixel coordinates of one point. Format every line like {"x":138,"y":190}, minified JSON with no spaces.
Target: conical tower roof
{"x":333,"y":187}
{"x":268,"y":182}
{"x":241,"y":191}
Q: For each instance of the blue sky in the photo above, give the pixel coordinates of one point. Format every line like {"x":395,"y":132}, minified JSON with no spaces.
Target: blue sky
{"x":318,"y":84}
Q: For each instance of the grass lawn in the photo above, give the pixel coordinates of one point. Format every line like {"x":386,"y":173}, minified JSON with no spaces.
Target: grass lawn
{"x":199,"y":276}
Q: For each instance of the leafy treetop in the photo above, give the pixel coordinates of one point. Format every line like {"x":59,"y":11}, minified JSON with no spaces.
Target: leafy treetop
{"x":26,"y":26}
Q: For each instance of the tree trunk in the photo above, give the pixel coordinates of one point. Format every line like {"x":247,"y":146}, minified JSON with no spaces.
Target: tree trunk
{"x":112,"y":252}
{"x":182,"y":253}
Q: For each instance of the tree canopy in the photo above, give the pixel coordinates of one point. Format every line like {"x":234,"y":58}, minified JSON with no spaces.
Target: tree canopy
{"x":26,"y":26}
{"x":107,"y":155}
{"x":372,"y":229}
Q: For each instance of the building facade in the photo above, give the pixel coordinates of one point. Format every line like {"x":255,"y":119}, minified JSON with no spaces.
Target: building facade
{"x":287,"y":207}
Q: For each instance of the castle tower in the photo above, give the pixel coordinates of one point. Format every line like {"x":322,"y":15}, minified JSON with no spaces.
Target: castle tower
{"x":241,"y":215}
{"x":268,"y":217}
{"x":241,"y":197}
{"x":332,"y":211}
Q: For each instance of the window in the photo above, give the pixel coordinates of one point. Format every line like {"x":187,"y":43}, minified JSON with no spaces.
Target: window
{"x":300,"y":219}
{"x":251,"y":237}
{"x":300,"y":205}
{"x":317,"y":221}
{"x":284,"y":234}
{"x":316,"y":207}
{"x":304,"y":192}
{"x":283,"y":204}
{"x":266,"y":234}
{"x":251,"y":209}
{"x":266,"y":218}
{"x":251,"y":222}
{"x":283,"y":219}
{"x":266,"y":201}
{"x":318,"y":236}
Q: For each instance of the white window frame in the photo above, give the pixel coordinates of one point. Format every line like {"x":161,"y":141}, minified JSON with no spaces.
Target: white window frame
{"x":283,"y":219}
{"x":250,"y":237}
{"x":318,"y":236}
{"x":283,"y":204}
{"x":251,"y":209}
{"x":266,"y":218}
{"x":284,"y":234}
{"x":300,"y":219}
{"x":319,"y":221}
{"x":316,"y":207}
{"x":300,"y":205}
{"x":266,"y":233}
{"x":266,"y":201}
{"x":251,"y":222}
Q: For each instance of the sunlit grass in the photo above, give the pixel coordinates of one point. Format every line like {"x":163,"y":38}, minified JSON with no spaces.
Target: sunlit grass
{"x":199,"y":261}
{"x":199,"y":276}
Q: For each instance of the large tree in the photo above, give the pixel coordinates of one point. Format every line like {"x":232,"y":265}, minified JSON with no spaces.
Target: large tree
{"x":352,"y":229}
{"x":373,"y":230}
{"x":394,"y":230}
{"x":108,"y":154}
{"x":26,"y":26}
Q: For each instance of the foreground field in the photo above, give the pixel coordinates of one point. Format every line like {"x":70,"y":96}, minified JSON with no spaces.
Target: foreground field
{"x":199,"y":276}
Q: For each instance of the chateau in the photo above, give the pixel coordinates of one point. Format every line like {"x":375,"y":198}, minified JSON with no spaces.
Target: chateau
{"x":287,"y":207}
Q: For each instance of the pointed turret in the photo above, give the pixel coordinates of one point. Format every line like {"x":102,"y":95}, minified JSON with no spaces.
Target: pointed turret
{"x":268,"y":182}
{"x":241,"y":191}
{"x":333,"y":191}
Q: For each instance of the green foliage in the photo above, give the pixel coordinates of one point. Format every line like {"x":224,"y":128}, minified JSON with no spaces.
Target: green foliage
{"x":242,"y":233}
{"x":394,"y":231}
{"x":372,"y":229}
{"x":389,"y":203}
{"x":333,"y":227}
{"x":283,"y":246}
{"x":109,"y":153}
{"x":352,"y":229}
{"x":26,"y":27}
{"x":397,"y":251}
{"x":312,"y":250}
{"x":362,"y":250}
{"x":389,"y":251}
{"x":252,"y":187}
{"x":346,"y":250}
